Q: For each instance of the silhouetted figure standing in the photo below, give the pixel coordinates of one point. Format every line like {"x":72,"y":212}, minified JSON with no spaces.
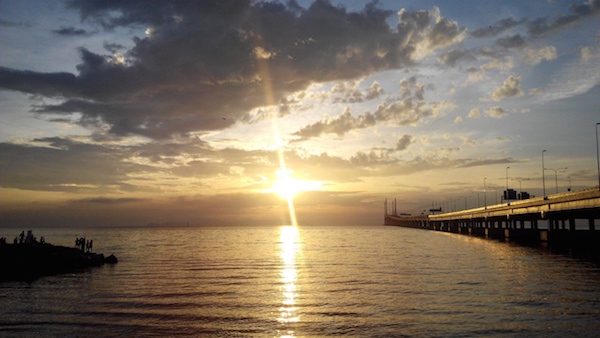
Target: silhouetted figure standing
{"x":80,"y":243}
{"x":29,"y":239}
{"x":22,"y":237}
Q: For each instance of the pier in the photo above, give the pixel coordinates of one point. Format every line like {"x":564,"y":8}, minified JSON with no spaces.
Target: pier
{"x":567,"y":219}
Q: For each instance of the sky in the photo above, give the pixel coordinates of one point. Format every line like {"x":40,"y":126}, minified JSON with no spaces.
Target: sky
{"x":239,"y":112}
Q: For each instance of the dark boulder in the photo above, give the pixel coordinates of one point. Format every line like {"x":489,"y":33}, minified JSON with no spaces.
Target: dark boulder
{"x":112,"y":259}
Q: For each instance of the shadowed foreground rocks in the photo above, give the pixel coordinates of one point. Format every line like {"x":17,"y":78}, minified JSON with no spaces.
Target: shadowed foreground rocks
{"x":29,"y":261}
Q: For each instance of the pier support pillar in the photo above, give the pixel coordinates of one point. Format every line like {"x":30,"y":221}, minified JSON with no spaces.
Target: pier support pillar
{"x":572,"y":224}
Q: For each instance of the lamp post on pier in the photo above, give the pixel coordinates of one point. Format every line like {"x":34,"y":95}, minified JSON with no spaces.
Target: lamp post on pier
{"x":556,"y":175}
{"x":478,"y":200}
{"x":543,"y":174}
{"x":598,"y":154}
{"x":520,"y":187}
{"x":484,"y":194}
{"x":507,"y":196}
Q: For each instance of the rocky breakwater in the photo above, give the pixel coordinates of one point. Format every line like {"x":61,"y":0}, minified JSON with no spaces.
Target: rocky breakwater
{"x":29,"y":260}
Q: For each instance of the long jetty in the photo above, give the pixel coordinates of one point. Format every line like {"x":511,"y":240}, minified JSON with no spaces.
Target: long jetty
{"x":571,"y":219}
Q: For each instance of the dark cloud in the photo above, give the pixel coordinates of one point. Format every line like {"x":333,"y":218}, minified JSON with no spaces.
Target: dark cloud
{"x":46,"y":84}
{"x":7,"y":23}
{"x":515,"y":41}
{"x":108,"y":200}
{"x":71,"y":31}
{"x":203,"y":60}
{"x":404,"y":142}
{"x":543,"y":25}
{"x":497,"y":28}
{"x":453,"y":57}
{"x":61,"y":165}
{"x":540,"y":26}
{"x":113,"y":47}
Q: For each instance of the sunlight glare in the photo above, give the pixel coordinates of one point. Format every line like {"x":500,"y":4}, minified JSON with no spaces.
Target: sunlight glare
{"x":287,"y":187}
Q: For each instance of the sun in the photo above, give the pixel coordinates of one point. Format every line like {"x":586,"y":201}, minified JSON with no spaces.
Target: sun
{"x":287,"y":187}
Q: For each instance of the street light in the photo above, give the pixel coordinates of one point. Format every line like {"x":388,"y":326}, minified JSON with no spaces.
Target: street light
{"x":543,"y":174}
{"x":520,"y":188}
{"x":598,"y":154}
{"x":484,"y":194}
{"x":556,"y":175}
{"x":507,"y":196}
{"x":478,"y":200}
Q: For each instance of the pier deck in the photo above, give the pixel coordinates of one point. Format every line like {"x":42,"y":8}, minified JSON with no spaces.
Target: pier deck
{"x":570,"y":218}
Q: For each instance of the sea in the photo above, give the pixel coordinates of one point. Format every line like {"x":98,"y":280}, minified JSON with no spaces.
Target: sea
{"x":304,"y":281}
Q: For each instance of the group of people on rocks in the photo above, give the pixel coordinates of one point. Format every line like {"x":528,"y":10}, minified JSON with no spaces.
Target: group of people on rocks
{"x":24,"y":239}
{"x":85,"y":246}
{"x":80,"y":243}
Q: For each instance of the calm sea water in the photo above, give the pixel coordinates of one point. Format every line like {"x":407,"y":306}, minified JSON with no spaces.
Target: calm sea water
{"x":304,"y":282}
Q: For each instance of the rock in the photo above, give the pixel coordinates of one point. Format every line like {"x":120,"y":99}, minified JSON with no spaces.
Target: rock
{"x":112,"y":259}
{"x":33,"y":260}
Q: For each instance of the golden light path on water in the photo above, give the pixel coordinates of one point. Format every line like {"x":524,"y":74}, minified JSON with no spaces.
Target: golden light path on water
{"x":290,"y":244}
{"x":286,"y":187}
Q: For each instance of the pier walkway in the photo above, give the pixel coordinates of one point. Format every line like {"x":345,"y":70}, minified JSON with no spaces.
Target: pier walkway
{"x":565,"y":218}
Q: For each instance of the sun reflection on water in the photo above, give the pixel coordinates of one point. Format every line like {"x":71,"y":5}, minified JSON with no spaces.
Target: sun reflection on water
{"x":290,"y":244}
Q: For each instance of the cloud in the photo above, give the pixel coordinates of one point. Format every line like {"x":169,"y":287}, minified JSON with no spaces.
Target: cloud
{"x":515,"y":41}
{"x":404,"y":142}
{"x":205,"y":60}
{"x":408,"y":110}
{"x":8,"y":23}
{"x":468,"y":141}
{"x":576,"y":78}
{"x":496,"y":112}
{"x":348,"y":92}
{"x":374,"y":91}
{"x":589,"y":53}
{"x":497,"y":28}
{"x":474,"y":113}
{"x":542,"y":26}
{"x":504,"y":64}
{"x":107,"y":200}
{"x":511,"y":87}
{"x":453,"y":57}
{"x":428,"y":30}
{"x":474,"y":75}
{"x":536,"y":91}
{"x":67,"y":166}
{"x":535,"y":56}
{"x":71,"y":31}
{"x":339,"y":125}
